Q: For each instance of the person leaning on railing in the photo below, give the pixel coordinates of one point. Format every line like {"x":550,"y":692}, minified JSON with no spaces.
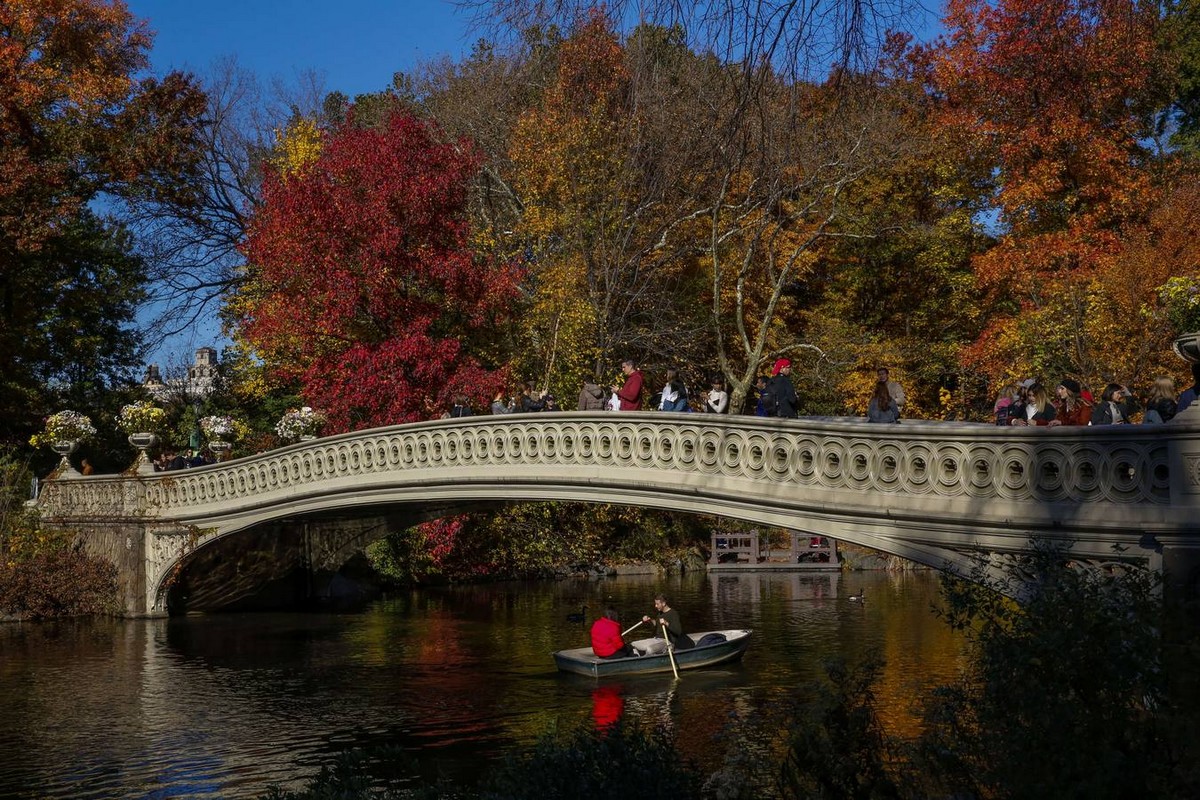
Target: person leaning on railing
{"x":1070,"y":407}
{"x":1038,"y":408}
{"x":1115,"y":407}
{"x":1163,"y":404}
{"x":883,"y":407}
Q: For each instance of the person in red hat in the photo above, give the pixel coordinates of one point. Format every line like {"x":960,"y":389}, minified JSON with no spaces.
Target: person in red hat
{"x":780,"y":395}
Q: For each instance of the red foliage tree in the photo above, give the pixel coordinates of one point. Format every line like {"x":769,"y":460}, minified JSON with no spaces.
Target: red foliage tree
{"x":362,"y":283}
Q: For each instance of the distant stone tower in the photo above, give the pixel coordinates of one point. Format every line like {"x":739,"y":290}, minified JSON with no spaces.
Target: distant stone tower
{"x":153,"y":382}
{"x":202,"y":375}
{"x":201,"y":381}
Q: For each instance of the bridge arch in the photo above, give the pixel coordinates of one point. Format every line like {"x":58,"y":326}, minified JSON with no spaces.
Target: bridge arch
{"x":949,"y":495}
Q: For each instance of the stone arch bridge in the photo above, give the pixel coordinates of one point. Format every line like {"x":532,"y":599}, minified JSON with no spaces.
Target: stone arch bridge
{"x":950,"y":495}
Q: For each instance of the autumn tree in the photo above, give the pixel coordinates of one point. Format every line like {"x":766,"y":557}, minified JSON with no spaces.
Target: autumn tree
{"x":896,"y":288}
{"x":769,"y":148}
{"x":595,"y":179}
{"x":1061,"y":96}
{"x":482,"y":98}
{"x":361,"y":284}
{"x":76,"y":123}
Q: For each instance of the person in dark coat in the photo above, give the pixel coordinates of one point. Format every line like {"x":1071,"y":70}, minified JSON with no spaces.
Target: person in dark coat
{"x":781,"y":388}
{"x":530,"y":400}
{"x":1116,"y":406}
{"x":1163,"y":404}
{"x":461,"y":407}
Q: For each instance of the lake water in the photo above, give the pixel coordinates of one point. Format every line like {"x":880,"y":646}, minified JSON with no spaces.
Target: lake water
{"x":228,"y":705}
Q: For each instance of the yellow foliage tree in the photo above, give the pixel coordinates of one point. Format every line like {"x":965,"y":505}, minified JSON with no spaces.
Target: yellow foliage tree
{"x":593,"y":215}
{"x":297,"y":146}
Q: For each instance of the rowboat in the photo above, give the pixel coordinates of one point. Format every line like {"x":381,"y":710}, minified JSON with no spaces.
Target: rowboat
{"x":652,"y":656}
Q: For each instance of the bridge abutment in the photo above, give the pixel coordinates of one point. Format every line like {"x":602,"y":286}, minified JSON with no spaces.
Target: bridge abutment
{"x":125,"y":544}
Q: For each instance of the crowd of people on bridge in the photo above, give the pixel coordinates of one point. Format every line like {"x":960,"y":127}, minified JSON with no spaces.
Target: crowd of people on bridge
{"x":169,"y":460}
{"x":1028,"y":403}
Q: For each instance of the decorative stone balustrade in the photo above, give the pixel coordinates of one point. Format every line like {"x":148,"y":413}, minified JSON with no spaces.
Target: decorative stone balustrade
{"x":935,"y":492}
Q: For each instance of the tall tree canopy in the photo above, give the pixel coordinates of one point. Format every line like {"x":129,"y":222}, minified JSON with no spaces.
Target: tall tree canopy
{"x":361,"y":283}
{"x":1062,"y":95}
{"x":76,"y":122}
{"x":596,"y":179}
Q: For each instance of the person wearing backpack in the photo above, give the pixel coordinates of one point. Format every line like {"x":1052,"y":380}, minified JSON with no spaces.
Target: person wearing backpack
{"x":779,"y":400}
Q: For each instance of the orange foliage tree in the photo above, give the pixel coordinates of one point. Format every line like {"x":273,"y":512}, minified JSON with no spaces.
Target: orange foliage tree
{"x":76,"y":121}
{"x":1061,"y":95}
{"x":595,"y":177}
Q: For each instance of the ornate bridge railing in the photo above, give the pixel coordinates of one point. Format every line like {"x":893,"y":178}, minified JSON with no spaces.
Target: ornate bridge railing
{"x":939,"y":493}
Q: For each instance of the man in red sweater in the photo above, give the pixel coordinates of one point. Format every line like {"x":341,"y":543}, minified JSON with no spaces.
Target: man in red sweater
{"x":630,"y":393}
{"x":606,"y":637}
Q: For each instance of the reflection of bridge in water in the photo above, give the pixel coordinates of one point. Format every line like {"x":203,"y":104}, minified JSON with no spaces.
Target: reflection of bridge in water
{"x":745,"y":587}
{"x":953,"y":495}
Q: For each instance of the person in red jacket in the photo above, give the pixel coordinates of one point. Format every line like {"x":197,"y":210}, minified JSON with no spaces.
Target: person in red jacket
{"x":1070,"y":407}
{"x":630,"y":393}
{"x":606,"y":637}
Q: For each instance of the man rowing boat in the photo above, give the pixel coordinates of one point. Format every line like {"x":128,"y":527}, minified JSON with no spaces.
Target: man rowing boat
{"x":669,"y":617}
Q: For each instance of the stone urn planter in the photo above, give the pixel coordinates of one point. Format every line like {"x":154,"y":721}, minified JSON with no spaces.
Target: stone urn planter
{"x":219,"y":448}
{"x":64,"y":449}
{"x":1187,"y":347}
{"x":143,"y":441}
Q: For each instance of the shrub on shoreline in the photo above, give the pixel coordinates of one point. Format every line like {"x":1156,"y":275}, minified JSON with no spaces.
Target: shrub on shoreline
{"x":45,"y":573}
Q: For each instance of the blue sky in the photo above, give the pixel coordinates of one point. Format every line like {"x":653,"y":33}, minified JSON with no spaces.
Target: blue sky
{"x":355,"y":44}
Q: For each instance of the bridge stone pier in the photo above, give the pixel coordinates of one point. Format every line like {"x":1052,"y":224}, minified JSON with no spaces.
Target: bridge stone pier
{"x":960,"y":496}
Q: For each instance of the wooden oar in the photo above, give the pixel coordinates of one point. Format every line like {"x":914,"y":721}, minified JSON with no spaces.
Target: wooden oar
{"x":626,"y":633}
{"x":670,"y":651}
